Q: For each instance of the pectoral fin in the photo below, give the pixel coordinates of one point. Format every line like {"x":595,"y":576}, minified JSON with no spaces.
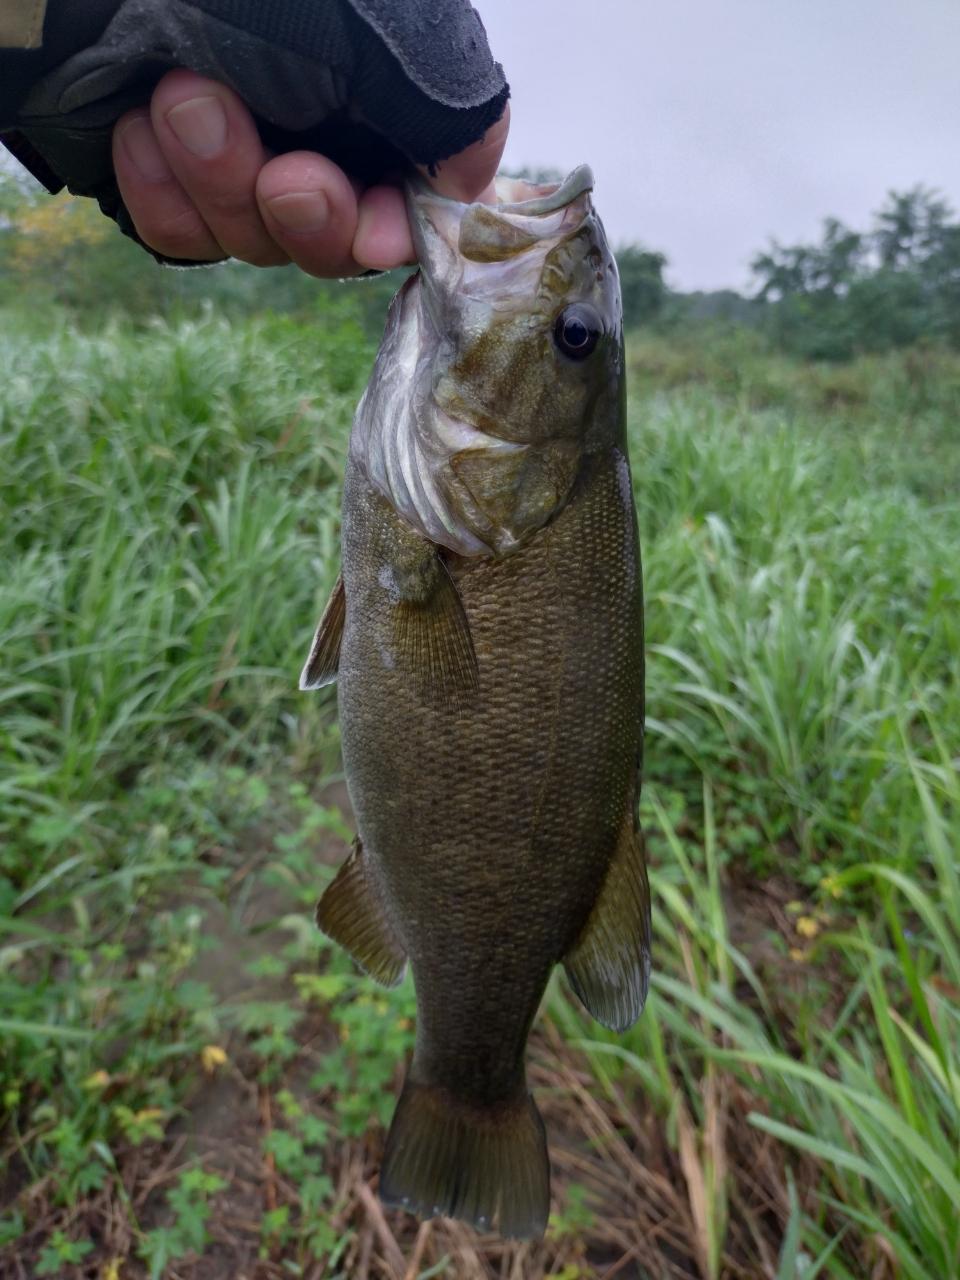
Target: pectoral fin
{"x":351,"y":913}
{"x":321,"y":667}
{"x":432,"y":642}
{"x":609,"y":965}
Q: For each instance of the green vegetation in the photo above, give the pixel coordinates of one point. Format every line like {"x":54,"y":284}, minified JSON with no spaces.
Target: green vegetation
{"x":852,"y":294}
{"x":858,"y":292}
{"x":169,"y":531}
{"x":61,"y":254}
{"x":642,"y":285}
{"x":169,"y":498}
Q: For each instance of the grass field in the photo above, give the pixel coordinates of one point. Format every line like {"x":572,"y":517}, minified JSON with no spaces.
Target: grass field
{"x":185,"y":1093}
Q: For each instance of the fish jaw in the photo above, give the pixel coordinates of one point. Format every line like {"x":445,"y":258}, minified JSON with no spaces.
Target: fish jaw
{"x":405,"y":442}
{"x":474,"y":425}
{"x":494,"y":254}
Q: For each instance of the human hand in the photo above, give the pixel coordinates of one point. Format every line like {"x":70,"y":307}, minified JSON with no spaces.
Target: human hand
{"x":199,"y":184}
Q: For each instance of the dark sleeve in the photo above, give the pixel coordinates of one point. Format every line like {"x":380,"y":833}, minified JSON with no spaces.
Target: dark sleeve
{"x":373,"y":84}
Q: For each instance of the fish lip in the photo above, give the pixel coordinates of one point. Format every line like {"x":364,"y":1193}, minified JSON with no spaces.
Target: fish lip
{"x":574,"y":184}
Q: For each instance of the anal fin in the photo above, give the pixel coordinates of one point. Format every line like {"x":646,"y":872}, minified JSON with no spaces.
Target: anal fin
{"x":609,"y":965}
{"x":351,"y":913}
{"x":322,"y":665}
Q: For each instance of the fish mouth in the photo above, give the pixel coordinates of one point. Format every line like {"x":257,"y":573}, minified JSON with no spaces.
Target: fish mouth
{"x":528,"y":219}
{"x":515,"y":195}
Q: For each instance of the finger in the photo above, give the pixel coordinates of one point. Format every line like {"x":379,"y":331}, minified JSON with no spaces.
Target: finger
{"x":469,"y":175}
{"x":211,"y":143}
{"x":165,"y":217}
{"x":309,"y":207}
{"x":383,"y":239}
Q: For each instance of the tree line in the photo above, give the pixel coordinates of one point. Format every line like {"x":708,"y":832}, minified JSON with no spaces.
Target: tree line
{"x":851,"y":292}
{"x":866,"y":291}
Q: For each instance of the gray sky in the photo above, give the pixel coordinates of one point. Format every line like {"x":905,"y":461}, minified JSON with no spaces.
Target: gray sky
{"x":712,"y":125}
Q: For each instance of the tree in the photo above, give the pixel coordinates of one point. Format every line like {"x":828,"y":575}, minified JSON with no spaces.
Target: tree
{"x":867,"y":292}
{"x":911,"y":229}
{"x":642,"y":285}
{"x":811,"y":270}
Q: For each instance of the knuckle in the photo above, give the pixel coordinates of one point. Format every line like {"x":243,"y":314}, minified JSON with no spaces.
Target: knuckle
{"x":230,"y":206}
{"x":182,"y":235}
{"x":262,"y":255}
{"x":326,"y":267}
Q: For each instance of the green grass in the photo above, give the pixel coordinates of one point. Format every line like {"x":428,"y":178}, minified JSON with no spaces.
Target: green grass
{"x":800,"y":616}
{"x":168,"y":534}
{"x":168,"y":520}
{"x":169,"y":508}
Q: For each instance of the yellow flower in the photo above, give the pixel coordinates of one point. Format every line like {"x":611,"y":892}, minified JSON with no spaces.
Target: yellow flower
{"x":212,"y":1056}
{"x":798,"y":956}
{"x":831,"y":885}
{"x":99,"y":1080}
{"x":807,"y":927}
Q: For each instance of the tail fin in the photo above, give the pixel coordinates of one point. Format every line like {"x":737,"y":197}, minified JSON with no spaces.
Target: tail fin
{"x":475,"y":1164}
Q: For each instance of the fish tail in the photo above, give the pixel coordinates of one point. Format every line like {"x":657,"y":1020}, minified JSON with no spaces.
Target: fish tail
{"x":473,"y":1163}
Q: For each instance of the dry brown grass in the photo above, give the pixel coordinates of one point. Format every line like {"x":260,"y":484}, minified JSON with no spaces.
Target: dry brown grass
{"x":645,"y":1196}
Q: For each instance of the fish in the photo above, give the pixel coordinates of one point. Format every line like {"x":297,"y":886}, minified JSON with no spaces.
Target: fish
{"x":486,"y":632}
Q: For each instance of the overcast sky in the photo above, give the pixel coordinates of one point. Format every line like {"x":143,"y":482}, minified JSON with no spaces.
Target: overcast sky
{"x":712,"y":125}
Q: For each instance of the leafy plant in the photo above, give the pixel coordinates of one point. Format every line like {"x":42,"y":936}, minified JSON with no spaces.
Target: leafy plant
{"x":377,"y":1030}
{"x":188,"y":1233}
{"x":61,"y":1252}
{"x":886,"y":1116}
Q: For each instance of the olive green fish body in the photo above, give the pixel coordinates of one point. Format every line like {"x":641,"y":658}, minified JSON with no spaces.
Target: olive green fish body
{"x":492,"y":828}
{"x":490,"y":670}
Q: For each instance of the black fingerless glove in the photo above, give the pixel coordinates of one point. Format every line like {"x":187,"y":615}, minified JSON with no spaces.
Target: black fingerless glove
{"x":372,"y":84}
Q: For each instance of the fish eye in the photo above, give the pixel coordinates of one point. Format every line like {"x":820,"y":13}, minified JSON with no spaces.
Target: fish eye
{"x":577,"y":330}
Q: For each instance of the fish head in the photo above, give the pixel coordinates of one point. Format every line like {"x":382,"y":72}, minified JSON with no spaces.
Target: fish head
{"x":525,"y":300}
{"x":501,"y":368}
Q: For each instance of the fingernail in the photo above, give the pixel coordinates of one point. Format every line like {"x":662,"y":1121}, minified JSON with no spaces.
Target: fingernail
{"x":302,"y":211}
{"x":201,"y":125}
{"x":141,"y":145}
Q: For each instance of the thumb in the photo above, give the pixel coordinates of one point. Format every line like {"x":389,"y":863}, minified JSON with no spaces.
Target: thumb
{"x":469,"y":175}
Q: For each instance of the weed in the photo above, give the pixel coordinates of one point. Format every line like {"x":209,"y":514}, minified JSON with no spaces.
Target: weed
{"x":188,"y":1202}
{"x":61,"y":1252}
